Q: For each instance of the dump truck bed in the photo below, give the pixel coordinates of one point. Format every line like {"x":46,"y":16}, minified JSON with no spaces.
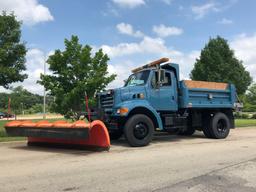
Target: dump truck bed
{"x":202,"y":94}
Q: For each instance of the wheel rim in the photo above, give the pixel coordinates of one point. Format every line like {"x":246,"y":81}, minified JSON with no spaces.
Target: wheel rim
{"x":222,"y":126}
{"x":140,"y":130}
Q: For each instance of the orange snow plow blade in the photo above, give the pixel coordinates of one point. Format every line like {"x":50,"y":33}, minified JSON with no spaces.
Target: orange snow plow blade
{"x":80,"y":133}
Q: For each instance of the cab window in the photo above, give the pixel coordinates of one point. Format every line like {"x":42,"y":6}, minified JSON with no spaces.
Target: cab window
{"x":139,"y":78}
{"x":167,"y":79}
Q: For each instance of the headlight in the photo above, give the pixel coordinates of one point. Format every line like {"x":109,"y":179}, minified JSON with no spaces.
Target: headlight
{"x":122,"y":111}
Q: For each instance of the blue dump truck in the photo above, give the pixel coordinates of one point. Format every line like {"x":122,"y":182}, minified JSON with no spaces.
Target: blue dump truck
{"x":154,"y":99}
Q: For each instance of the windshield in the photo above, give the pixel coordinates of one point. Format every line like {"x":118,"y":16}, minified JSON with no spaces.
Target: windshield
{"x":139,"y":78}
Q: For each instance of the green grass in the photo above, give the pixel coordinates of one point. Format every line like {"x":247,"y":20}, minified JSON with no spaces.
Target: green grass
{"x":4,"y":137}
{"x":245,"y":122}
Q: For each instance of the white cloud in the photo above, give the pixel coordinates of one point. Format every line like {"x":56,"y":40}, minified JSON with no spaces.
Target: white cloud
{"x":181,"y":8}
{"x":211,"y":6}
{"x":127,"y":29}
{"x":35,"y":58}
{"x":121,"y":62}
{"x":168,"y":2}
{"x":245,"y":46}
{"x":201,"y":10}
{"x":29,"y":11}
{"x":35,"y":66}
{"x":225,"y":21}
{"x":147,"y":45}
{"x":122,"y":55}
{"x":129,"y":3}
{"x":186,"y":62}
{"x":110,"y":11}
{"x":122,"y":71}
{"x":123,"y":68}
{"x":165,"y":31}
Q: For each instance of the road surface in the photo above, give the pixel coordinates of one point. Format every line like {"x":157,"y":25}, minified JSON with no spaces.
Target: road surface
{"x":170,"y":163}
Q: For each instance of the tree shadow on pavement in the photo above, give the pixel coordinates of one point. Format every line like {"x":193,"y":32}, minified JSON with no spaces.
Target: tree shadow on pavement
{"x":117,"y":145}
{"x":61,"y":149}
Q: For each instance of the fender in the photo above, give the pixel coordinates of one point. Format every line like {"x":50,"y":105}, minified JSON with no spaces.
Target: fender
{"x":132,"y":104}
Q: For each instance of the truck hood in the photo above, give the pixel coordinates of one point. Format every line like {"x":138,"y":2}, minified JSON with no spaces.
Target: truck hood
{"x":128,"y":93}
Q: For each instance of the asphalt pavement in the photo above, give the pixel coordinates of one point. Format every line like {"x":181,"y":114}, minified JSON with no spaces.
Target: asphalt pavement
{"x":170,"y":163}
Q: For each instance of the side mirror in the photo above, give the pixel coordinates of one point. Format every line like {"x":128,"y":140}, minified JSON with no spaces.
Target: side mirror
{"x":161,"y":76}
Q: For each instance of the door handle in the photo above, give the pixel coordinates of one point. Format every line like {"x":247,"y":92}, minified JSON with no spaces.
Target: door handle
{"x":173,"y":98}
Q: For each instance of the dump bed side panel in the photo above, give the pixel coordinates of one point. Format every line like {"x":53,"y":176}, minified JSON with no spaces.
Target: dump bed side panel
{"x":200,"y":94}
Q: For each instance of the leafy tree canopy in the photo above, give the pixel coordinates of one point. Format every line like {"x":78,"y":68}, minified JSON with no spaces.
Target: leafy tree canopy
{"x":218,"y":63}
{"x":74,"y":72}
{"x":21,"y":99}
{"x":12,"y":51}
{"x":251,"y":94}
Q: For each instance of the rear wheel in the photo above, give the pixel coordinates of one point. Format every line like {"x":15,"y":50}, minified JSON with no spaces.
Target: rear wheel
{"x":139,"y":130}
{"x":207,"y":125}
{"x":218,"y":126}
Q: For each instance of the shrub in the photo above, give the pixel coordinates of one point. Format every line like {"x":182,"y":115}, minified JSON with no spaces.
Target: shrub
{"x":249,"y":107}
{"x":239,"y":115}
{"x":254,"y":116}
{"x":245,"y":116}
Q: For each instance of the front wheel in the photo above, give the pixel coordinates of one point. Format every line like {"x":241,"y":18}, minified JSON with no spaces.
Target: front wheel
{"x":139,"y":130}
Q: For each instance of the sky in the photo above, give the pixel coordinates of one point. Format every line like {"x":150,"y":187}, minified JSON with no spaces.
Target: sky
{"x":134,"y":32}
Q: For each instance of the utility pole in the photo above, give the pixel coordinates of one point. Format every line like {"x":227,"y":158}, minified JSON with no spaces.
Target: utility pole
{"x":22,"y":108}
{"x":9,"y":108}
{"x":44,"y":113}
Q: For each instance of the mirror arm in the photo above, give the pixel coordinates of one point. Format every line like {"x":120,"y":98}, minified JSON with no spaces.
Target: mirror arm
{"x":158,"y":76}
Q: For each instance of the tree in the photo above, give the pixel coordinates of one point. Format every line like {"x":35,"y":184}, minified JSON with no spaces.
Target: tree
{"x":75,"y":71}
{"x":218,"y":63}
{"x":12,"y":51}
{"x":251,"y":95}
{"x":21,"y":100}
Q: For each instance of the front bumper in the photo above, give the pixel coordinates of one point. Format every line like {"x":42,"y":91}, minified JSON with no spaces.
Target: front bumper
{"x":112,"y":121}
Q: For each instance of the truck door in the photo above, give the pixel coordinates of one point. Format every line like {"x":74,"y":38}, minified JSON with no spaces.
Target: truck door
{"x":164,"y":98}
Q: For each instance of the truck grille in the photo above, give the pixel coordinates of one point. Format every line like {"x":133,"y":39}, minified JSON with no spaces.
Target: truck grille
{"x":107,"y":101}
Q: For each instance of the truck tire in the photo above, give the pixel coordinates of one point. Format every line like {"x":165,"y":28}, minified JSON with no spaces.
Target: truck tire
{"x":139,"y":130}
{"x":207,"y":132}
{"x":115,"y":135}
{"x":219,"y":126}
{"x":207,"y":125}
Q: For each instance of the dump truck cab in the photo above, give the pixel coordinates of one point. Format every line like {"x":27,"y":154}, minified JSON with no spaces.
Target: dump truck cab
{"x":141,"y":91}
{"x":154,"y":99}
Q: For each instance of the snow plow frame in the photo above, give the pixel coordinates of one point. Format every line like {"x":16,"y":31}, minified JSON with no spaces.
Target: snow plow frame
{"x":93,"y":134}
